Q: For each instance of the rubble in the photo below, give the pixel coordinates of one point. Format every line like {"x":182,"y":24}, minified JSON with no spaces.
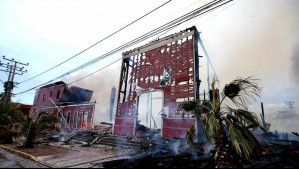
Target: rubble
{"x":174,"y":153}
{"x":151,"y":150}
{"x":99,"y":148}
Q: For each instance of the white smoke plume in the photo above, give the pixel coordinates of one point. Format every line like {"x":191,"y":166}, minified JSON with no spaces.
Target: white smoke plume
{"x":295,"y":64}
{"x":101,"y":83}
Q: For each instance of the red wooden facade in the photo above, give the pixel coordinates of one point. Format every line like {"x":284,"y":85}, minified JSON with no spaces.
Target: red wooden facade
{"x":53,"y":91}
{"x":169,"y":65}
{"x":71,"y":114}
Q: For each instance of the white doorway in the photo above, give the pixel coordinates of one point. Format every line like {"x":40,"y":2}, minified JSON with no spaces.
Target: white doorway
{"x":150,"y":108}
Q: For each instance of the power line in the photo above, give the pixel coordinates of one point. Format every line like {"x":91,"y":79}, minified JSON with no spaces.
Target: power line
{"x":103,"y":67}
{"x":118,"y":59}
{"x":94,"y":72}
{"x":168,"y":26}
{"x":208,"y":58}
{"x":165,"y":27}
{"x":97,"y":42}
{"x":112,"y":63}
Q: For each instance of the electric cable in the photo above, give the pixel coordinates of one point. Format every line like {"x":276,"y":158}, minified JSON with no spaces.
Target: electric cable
{"x":117,"y":61}
{"x":168,"y":26}
{"x":96,"y":43}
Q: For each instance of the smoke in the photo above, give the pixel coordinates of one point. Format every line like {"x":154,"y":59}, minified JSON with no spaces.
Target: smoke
{"x":258,"y":38}
{"x":295,"y":64}
{"x":295,"y":77}
{"x":101,"y":83}
{"x":175,"y":146}
{"x":252,"y":38}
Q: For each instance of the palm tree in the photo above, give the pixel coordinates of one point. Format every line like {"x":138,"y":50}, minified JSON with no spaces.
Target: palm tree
{"x":226,"y":126}
{"x":33,"y":128}
{"x":11,"y":118}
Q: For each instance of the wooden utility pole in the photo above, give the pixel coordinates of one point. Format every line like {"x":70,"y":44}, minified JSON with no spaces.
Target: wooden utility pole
{"x":12,"y":69}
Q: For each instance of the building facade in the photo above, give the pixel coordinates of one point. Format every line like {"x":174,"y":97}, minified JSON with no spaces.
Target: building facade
{"x":155,"y":79}
{"x":71,"y":104}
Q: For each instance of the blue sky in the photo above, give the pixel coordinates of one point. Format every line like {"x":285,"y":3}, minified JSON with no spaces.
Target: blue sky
{"x":243,"y":38}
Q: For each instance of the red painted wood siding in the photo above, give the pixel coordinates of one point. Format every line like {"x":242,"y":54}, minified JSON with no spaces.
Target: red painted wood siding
{"x":175,"y":127}
{"x":72,"y":109}
{"x":124,"y":126}
{"x":38,"y":101}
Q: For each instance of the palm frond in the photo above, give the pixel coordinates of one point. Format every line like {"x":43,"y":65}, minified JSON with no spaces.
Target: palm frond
{"x":45,"y":121}
{"x":240,"y":142}
{"x":188,"y":106}
{"x":249,"y":118}
{"x":251,"y":138}
{"x":234,"y":137}
{"x":191,"y":134}
{"x":234,"y":123}
{"x":41,"y":114}
{"x":242,"y":139}
{"x":242,"y":90}
{"x":212,"y":125}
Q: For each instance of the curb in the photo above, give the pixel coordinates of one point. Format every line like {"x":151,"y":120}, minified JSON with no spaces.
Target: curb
{"x":20,"y":153}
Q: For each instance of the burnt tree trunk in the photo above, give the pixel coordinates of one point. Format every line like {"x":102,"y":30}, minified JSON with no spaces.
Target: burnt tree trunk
{"x":224,"y":156}
{"x":31,"y":135}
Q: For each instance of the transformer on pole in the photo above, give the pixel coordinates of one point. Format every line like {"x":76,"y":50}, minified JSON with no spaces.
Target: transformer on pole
{"x":12,"y":68}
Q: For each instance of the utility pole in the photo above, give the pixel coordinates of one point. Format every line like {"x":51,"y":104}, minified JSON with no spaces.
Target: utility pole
{"x":290,"y":106}
{"x":12,"y":67}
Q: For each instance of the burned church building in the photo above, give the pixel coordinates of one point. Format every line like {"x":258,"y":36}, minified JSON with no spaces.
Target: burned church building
{"x":71,"y":104}
{"x":154,"y":80}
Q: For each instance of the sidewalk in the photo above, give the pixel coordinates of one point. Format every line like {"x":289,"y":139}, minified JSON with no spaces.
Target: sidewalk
{"x":23,"y":155}
{"x":59,"y":155}
{"x":19,"y":153}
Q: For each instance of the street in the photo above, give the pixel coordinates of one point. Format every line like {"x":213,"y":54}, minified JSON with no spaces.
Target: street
{"x":10,"y":160}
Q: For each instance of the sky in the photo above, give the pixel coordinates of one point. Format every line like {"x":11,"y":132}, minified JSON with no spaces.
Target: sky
{"x":244,"y":38}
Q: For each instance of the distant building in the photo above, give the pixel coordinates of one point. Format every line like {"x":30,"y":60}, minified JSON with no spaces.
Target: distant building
{"x":71,"y":104}
{"x":284,"y":121}
{"x":25,"y":108}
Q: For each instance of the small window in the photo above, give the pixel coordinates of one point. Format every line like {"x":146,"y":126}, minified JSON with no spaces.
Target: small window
{"x":37,"y":98}
{"x":59,"y":115}
{"x":75,"y":120}
{"x":51,"y":94}
{"x":68,"y":119}
{"x":44,"y":97}
{"x":84,"y":120}
{"x":58,"y":94}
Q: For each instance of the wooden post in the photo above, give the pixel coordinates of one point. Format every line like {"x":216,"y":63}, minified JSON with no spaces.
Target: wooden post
{"x":263,"y":116}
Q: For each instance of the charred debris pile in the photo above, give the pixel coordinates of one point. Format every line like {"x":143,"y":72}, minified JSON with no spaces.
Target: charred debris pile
{"x":175,"y":153}
{"x":151,"y":150}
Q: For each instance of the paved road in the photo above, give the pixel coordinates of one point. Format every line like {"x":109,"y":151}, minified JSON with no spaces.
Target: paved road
{"x":10,"y":160}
